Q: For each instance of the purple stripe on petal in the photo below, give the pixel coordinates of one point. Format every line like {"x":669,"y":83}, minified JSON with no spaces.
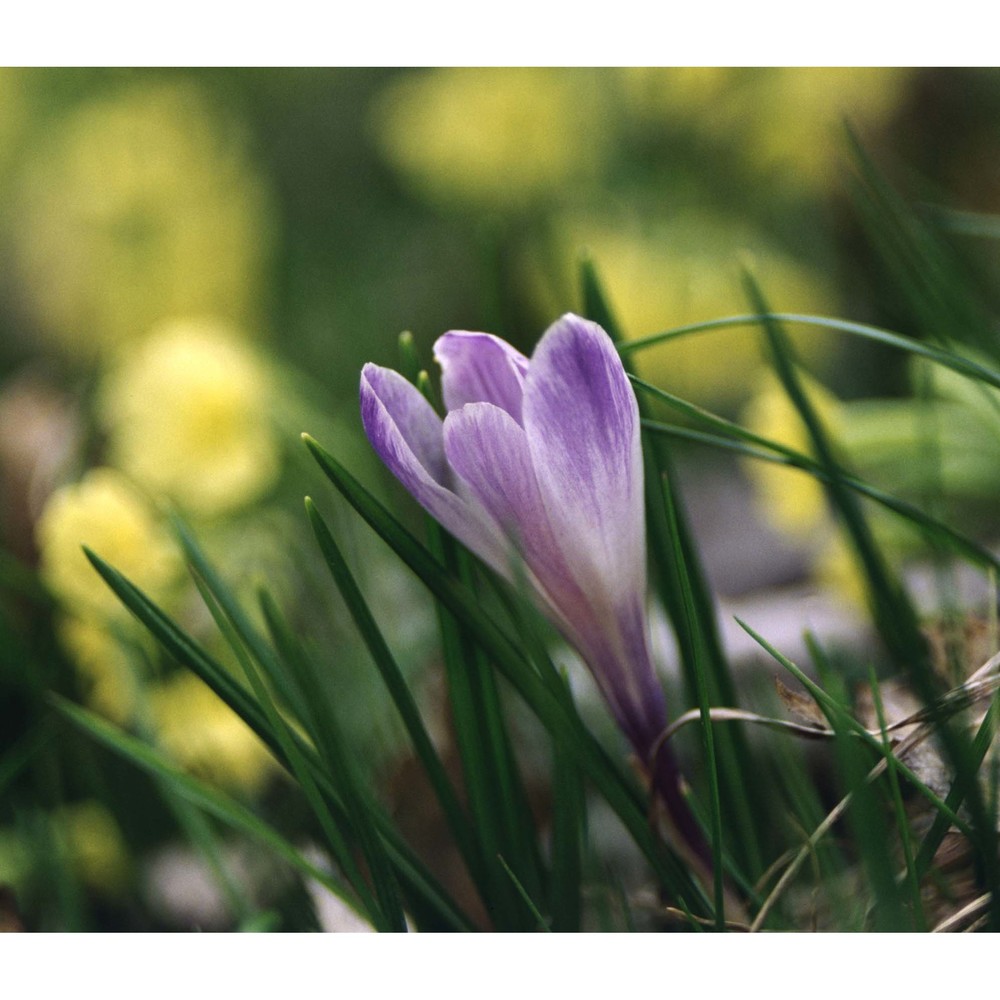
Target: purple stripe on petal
{"x":407,"y":435}
{"x":480,"y":368}
{"x":488,"y":450}
{"x":582,"y":424}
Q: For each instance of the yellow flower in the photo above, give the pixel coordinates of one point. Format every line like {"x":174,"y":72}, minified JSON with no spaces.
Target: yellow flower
{"x":206,"y":737}
{"x":792,"y":500}
{"x":186,"y":415}
{"x":105,"y":668}
{"x":94,"y":843}
{"x":685,"y":271}
{"x":494,"y":136}
{"x":106,"y":513}
{"x":674,"y":92}
{"x":143,"y":204}
{"x":795,"y":116}
{"x":787,"y":121}
{"x":13,"y":111}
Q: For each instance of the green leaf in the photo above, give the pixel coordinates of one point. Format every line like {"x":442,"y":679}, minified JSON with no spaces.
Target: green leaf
{"x":939,"y":355}
{"x":426,"y":892}
{"x":335,"y":837}
{"x":702,"y":655}
{"x":398,"y":690}
{"x":893,"y":612}
{"x":201,"y":795}
{"x":564,"y":726}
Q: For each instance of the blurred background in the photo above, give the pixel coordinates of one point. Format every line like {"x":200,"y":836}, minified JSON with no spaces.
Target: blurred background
{"x":194,"y":265}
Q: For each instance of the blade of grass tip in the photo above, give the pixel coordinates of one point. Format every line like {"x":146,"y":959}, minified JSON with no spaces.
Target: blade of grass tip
{"x":211,"y":800}
{"x":493,"y":786}
{"x":734,"y":756}
{"x":707,"y":730}
{"x":893,"y":613}
{"x":525,"y":898}
{"x":888,"y":338}
{"x":427,"y":892}
{"x":330,"y":742}
{"x":399,"y":691}
{"x":410,"y":365}
{"x":380,"y":917}
{"x":902,"y":823}
{"x":620,"y":792}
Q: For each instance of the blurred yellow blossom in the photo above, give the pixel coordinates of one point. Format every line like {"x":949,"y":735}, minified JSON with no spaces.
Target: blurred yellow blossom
{"x":492,"y":136}
{"x":94,"y":844}
{"x":106,"y":513}
{"x":795,"y":115}
{"x":143,"y":204}
{"x":653,"y":92}
{"x":786,"y":121}
{"x":205,"y":736}
{"x":186,"y":415}
{"x":13,"y":112}
{"x":792,"y":500}
{"x":106,"y":671}
{"x":683,"y":271}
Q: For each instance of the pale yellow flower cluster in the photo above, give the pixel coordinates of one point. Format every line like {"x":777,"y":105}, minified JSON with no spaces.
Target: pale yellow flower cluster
{"x":186,"y":414}
{"x":109,"y":515}
{"x":792,"y":500}
{"x":201,"y":732}
{"x":492,"y":136}
{"x":94,"y":844}
{"x":785,"y":121}
{"x":105,"y":512}
{"x":142,"y":204}
{"x":89,"y":840}
{"x":880,"y":439}
{"x":685,"y":271}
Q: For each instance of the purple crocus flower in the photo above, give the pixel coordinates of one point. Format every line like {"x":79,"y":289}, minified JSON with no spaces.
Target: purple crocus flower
{"x":537,"y":468}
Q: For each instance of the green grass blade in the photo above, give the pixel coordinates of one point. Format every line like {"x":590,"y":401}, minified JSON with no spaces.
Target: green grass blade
{"x":833,"y":709}
{"x":381,"y":919}
{"x":568,"y":832}
{"x":887,"y":338}
{"x":892,"y":610}
{"x":698,"y":639}
{"x":899,"y":810}
{"x":330,"y":743}
{"x":923,"y":266}
{"x":398,"y":690}
{"x":771,"y":451}
{"x":496,"y":796}
{"x":523,"y":894}
{"x":201,"y":795}
{"x":866,"y":815}
{"x":620,"y":793}
{"x":427,"y":893}
{"x":707,"y":730}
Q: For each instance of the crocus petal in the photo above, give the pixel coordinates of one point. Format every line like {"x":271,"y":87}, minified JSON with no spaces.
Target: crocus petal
{"x":582,"y":425}
{"x":488,"y":449}
{"x":480,"y":368}
{"x":407,"y":435}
